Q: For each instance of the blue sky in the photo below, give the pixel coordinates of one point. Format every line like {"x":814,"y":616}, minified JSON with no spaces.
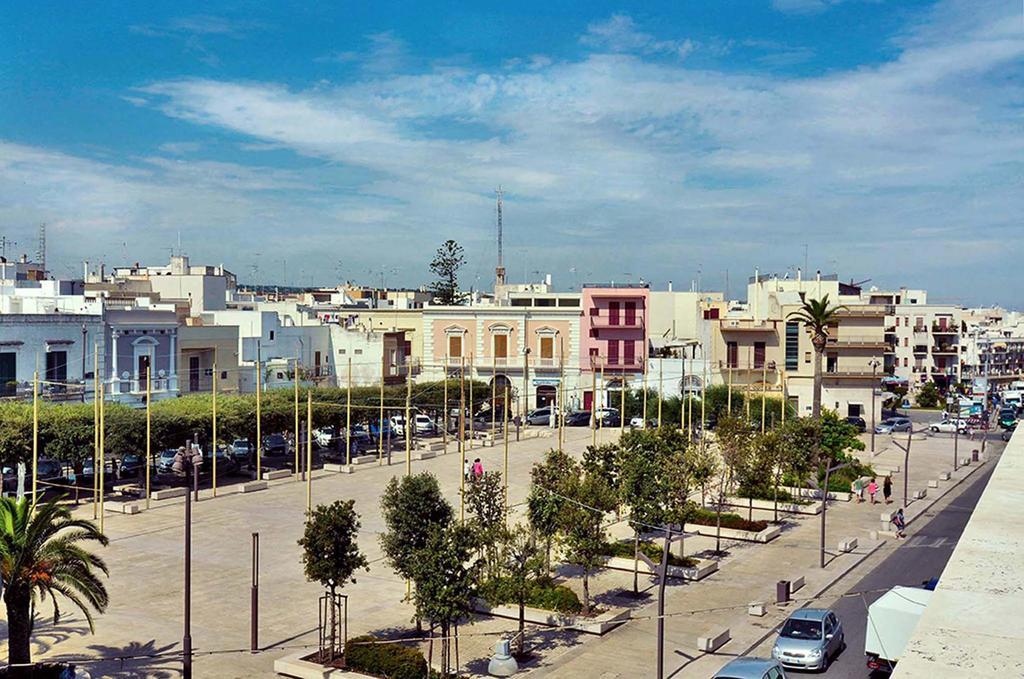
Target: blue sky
{"x":662,"y":140}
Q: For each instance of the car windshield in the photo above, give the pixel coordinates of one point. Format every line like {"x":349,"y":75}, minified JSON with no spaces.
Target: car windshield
{"x":801,"y":629}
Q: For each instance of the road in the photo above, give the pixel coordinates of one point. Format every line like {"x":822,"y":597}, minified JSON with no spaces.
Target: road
{"x":922,"y":556}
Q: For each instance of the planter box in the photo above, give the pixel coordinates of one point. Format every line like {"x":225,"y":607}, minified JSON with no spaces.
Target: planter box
{"x":275,"y":474}
{"x":598,"y":625}
{"x":703,"y":569}
{"x":767,"y":535}
{"x":168,"y":493}
{"x":785,"y":507}
{"x":294,"y":666}
{"x":815,"y":494}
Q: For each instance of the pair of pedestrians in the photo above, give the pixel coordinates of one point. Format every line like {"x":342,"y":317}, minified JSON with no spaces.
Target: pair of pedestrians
{"x":886,"y":490}
{"x":472,"y":471}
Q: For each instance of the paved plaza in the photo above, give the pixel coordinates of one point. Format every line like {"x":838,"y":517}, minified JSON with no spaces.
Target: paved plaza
{"x":145,"y":560}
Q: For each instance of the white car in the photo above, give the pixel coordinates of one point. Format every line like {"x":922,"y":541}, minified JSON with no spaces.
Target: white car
{"x":948,"y":427}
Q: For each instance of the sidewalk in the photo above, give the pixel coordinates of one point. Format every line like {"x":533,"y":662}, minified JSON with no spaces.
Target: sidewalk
{"x":749,"y":573}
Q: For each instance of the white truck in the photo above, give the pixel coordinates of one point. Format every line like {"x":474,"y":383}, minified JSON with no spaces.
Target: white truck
{"x":892,"y":619}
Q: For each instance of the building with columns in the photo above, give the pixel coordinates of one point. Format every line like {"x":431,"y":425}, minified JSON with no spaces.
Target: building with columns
{"x":141,"y":345}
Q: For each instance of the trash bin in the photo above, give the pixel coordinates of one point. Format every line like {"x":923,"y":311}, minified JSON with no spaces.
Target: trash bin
{"x":974,"y":456}
{"x":782,"y":591}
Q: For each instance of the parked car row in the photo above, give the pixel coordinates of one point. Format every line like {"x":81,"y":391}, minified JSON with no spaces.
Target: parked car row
{"x":810,"y":639}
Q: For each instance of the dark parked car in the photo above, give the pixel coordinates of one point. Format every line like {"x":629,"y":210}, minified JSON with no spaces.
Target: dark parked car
{"x":165,"y":461}
{"x":580,"y":418}
{"x":275,"y":444}
{"x":1008,"y":432}
{"x":131,"y":465}
{"x":52,"y":483}
{"x":858,"y":421}
{"x":226,"y":465}
{"x":241,"y":450}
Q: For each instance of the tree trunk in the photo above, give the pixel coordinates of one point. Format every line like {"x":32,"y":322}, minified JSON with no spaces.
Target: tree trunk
{"x":19,"y":626}
{"x":522,"y":616}
{"x":819,"y":350}
{"x":775,"y":500}
{"x":586,"y":592}
{"x":547,"y":554}
{"x":824,"y":506}
{"x":636,"y":561}
{"x":682,"y":540}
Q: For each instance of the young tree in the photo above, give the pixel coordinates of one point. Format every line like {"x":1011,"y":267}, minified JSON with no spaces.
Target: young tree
{"x":522,"y":561}
{"x":446,"y":264}
{"x":42,"y":555}
{"x":603,"y":460}
{"x":679,"y":479}
{"x":330,"y":550}
{"x":412,"y":508}
{"x":817,"y":315}
{"x":446,"y":582}
{"x":546,"y":503}
{"x":642,"y":462}
{"x":582,"y":531}
{"x":733,"y":435}
{"x":928,"y":396}
{"x":485,"y":500}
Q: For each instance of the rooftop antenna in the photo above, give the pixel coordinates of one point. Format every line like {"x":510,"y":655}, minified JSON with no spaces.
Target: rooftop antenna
{"x":5,"y":242}
{"x":499,"y":271}
{"x":41,"y":249}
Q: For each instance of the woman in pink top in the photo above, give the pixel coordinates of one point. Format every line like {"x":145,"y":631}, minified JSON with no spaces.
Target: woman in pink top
{"x":478,"y":469}
{"x":872,"y":490}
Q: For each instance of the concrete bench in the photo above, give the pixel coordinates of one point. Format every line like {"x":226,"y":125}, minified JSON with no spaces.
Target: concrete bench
{"x":275,"y":474}
{"x":932,"y":483}
{"x":337,"y":468}
{"x":796,"y":584}
{"x":757,"y":609}
{"x":253,"y":486}
{"x":424,"y":455}
{"x":920,"y":494}
{"x":168,"y":493}
{"x":945,"y":476}
{"x":965,"y":462}
{"x":364,"y":459}
{"x":713,"y":643}
{"x":848,"y":545}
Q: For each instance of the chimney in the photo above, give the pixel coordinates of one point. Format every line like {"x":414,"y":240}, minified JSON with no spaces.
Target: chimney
{"x":85,"y":270}
{"x":547,"y":280}
{"x":757,"y":292}
{"x":670,"y":286}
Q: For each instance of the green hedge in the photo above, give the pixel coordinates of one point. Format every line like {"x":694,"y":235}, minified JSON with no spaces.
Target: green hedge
{"x":387,"y":660}
{"x":651,"y":550}
{"x":706,"y":517}
{"x":66,"y":429}
{"x":544,"y":593}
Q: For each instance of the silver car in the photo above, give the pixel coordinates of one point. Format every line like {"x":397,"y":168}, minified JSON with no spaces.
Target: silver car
{"x":809,"y":639}
{"x":893,"y":425}
{"x":752,"y":668}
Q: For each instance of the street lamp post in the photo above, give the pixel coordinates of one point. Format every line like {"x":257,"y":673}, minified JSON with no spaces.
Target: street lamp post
{"x":874,"y":392}
{"x":187,"y":462}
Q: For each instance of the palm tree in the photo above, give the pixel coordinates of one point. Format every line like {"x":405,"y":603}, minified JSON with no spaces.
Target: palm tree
{"x":41,"y":556}
{"x":817,"y":315}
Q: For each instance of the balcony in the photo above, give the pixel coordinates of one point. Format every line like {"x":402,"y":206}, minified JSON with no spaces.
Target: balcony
{"x":920,"y":348}
{"x":943,"y":349}
{"x":850,"y":374}
{"x":858,"y":342}
{"x":865,"y":311}
{"x":770,"y":366}
{"x":945,"y":329}
{"x":544,"y":364}
{"x":746,"y":325}
{"x":617,"y":363}
{"x":502,"y":363}
{"x":616,"y":321}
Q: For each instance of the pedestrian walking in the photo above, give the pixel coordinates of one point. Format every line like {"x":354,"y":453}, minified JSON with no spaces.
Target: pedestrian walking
{"x":478,"y":469}
{"x":873,"y":490}
{"x":899,"y":523}
{"x":467,"y":470}
{"x":857,"y":488}
{"x":887,"y":489}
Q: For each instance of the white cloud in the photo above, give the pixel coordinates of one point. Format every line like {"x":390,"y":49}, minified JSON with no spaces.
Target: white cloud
{"x":619,"y":33}
{"x":663,"y":167}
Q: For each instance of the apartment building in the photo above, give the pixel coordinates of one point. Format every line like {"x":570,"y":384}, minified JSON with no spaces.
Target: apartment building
{"x":613,"y":349}
{"x":532,"y":346}
{"x":759,"y":348}
{"x":926,"y":344}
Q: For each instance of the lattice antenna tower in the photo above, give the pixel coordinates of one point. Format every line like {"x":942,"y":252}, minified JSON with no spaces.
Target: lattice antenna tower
{"x":499,"y":271}
{"x":41,"y":249}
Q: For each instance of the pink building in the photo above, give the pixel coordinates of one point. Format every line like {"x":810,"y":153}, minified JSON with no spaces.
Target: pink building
{"x":613,"y":335}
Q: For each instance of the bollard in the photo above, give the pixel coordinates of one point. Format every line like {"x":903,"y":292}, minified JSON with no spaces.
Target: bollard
{"x":782,"y":592}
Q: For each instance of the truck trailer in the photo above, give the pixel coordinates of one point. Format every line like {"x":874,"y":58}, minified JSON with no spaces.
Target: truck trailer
{"x":892,"y":619}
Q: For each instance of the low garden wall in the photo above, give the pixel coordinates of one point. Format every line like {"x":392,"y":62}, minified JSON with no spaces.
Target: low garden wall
{"x":599,"y":624}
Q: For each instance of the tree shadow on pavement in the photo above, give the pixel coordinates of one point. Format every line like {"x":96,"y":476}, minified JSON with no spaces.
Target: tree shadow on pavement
{"x":46,"y":635}
{"x":135,"y":659}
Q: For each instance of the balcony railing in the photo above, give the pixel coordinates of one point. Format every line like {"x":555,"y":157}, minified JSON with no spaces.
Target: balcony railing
{"x":759,"y":367}
{"x":945,"y":349}
{"x":616,"y":321}
{"x":617,"y":363}
{"x":940,"y":329}
{"x":746,"y":325}
{"x":858,"y":341}
{"x":865,"y":311}
{"x":855,"y":373}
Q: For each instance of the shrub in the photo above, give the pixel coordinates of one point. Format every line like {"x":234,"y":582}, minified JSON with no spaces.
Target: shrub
{"x":706,"y":517}
{"x":387,"y":660}
{"x":651,"y":550}
{"x":544,"y":593}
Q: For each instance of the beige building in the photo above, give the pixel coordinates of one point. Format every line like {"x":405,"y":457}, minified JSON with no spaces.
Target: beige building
{"x":758,"y":347}
{"x":926,"y":343}
{"x":200,"y":348}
